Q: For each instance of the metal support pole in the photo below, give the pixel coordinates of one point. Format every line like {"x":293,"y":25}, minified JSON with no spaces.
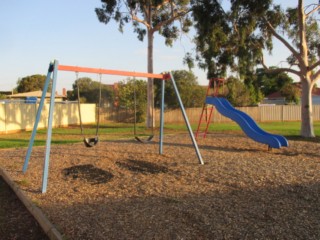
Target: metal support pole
{"x":161,"y":117}
{"x":49,"y":131}
{"x":35,"y":126}
{"x":186,"y":120}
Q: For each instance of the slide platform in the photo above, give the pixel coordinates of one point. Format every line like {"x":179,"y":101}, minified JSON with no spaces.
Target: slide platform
{"x":247,"y":124}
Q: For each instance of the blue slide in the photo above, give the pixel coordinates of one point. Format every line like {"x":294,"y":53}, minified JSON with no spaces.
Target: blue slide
{"x":247,"y":124}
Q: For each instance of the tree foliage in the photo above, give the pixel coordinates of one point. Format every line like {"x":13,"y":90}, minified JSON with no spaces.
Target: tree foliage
{"x":2,"y":96}
{"x":147,"y":18}
{"x":291,"y":93}
{"x":31,"y":83}
{"x":270,"y":82}
{"x":89,"y":91}
{"x":236,"y":39}
{"x":192,"y":95}
{"x":240,"y":94}
{"x":154,"y":16}
{"x":130,"y":88}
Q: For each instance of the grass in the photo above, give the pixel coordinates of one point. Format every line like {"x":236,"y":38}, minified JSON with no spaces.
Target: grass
{"x":291,"y":130}
{"x":116,"y":131}
{"x":22,"y":182}
{"x":72,"y":134}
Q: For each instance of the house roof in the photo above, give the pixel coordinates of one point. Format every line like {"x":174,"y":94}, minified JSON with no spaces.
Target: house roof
{"x":274,"y":95}
{"x":37,"y":94}
{"x":315,"y":92}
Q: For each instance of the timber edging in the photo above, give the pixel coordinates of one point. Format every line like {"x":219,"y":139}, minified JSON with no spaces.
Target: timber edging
{"x":49,"y":229}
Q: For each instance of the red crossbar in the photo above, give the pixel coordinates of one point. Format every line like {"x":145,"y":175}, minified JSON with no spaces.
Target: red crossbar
{"x":112,"y":72}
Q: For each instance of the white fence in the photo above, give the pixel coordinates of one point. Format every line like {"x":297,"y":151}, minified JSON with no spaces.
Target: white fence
{"x":20,"y":116}
{"x":278,"y":113}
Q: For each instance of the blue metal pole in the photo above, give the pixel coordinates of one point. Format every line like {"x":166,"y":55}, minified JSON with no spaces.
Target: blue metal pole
{"x":186,"y":120}
{"x":35,"y":126}
{"x":161,"y":117}
{"x":49,"y":131}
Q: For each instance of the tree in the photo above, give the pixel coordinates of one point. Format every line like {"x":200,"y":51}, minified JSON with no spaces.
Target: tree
{"x":2,"y":96}
{"x":31,"y":83}
{"x":270,"y":82}
{"x":255,"y":93}
{"x":89,"y":91}
{"x":238,"y":93}
{"x":291,"y":93}
{"x":249,"y":28}
{"x":148,"y":17}
{"x":192,"y":95}
{"x":127,"y":89}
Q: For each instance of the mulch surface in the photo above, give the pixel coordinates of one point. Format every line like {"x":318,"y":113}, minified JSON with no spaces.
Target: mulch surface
{"x":126,"y":190}
{"x":15,"y":220}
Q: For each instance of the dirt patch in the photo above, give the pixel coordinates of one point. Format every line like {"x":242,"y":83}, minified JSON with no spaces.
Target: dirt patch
{"x":126,"y":190}
{"x":142,"y":167}
{"x":88,"y":173}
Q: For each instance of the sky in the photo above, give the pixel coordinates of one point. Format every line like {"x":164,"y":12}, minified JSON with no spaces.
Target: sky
{"x":35,"y":32}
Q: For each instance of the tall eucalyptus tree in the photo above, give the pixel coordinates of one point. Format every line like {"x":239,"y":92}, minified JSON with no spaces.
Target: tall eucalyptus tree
{"x":236,"y":38}
{"x":147,"y":18}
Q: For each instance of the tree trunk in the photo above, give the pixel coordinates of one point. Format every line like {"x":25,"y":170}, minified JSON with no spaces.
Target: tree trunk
{"x":150,"y":92}
{"x":306,"y":109}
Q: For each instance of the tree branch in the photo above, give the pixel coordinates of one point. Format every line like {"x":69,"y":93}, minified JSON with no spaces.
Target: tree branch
{"x":135,"y":18}
{"x":279,"y":70}
{"x":303,"y":46}
{"x":316,"y":76}
{"x":170,"y":20}
{"x":312,"y":11}
{"x":313,"y":66}
{"x":281,"y":39}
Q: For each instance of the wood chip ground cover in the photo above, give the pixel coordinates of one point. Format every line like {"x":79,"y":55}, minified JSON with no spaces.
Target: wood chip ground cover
{"x":126,"y":190}
{"x":16,"y":222}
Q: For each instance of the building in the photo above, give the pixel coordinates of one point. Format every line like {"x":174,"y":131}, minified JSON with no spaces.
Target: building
{"x":278,"y":99}
{"x":27,"y":96}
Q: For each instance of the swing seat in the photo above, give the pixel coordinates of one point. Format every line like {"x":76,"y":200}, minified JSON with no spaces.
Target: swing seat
{"x":91,"y":142}
{"x":144,"y":141}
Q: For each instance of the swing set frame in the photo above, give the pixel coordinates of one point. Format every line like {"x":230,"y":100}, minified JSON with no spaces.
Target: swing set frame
{"x":54,"y":67}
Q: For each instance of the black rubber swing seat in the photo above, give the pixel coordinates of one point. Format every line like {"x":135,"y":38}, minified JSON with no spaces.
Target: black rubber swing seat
{"x":91,"y":142}
{"x":143,"y":141}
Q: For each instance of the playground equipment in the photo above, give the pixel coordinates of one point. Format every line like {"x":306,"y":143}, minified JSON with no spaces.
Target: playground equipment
{"x":53,"y":71}
{"x":93,"y":141}
{"x":139,"y":139}
{"x":215,"y":84}
{"x":247,"y":124}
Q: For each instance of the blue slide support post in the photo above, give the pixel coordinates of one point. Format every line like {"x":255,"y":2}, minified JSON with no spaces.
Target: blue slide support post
{"x":38,"y":116}
{"x":186,"y":120}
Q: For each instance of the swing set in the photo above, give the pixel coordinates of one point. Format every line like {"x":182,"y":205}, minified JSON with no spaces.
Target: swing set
{"x":93,"y":141}
{"x":54,"y":67}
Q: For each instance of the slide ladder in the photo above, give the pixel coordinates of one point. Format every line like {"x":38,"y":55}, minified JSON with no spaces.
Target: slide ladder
{"x":207,"y":109}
